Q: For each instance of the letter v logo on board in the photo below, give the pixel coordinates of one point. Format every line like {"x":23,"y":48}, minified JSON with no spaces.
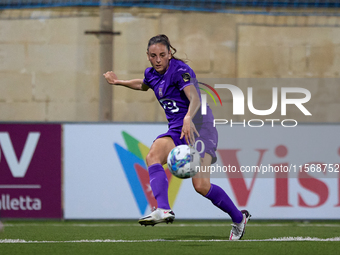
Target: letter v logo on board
{"x":18,"y":165}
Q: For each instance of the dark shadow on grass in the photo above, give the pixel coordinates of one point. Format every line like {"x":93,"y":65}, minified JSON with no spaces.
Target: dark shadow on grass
{"x":196,"y":245}
{"x":196,"y":237}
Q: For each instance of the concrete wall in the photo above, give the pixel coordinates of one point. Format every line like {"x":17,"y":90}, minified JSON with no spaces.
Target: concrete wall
{"x":49,"y":69}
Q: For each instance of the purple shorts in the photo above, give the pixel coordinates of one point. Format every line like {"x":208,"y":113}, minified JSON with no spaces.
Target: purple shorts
{"x":206,"y":143}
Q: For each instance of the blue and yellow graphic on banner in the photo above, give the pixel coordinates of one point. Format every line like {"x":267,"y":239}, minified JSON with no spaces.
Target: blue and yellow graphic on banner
{"x":135,"y":169}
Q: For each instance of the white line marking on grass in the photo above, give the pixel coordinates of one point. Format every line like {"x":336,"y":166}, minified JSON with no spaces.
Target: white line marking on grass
{"x":160,"y":225}
{"x":318,"y":225}
{"x":280,"y":239}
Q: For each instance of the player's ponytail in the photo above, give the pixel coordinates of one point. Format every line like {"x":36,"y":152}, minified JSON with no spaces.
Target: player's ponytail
{"x":163,"y":39}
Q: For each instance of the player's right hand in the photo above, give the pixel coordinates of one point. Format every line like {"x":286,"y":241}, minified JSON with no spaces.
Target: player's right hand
{"x":111,"y":77}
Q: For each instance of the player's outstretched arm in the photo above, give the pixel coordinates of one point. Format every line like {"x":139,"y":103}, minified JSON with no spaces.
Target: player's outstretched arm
{"x":136,"y":84}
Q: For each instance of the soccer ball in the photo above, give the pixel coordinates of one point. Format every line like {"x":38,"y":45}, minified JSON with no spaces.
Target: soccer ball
{"x":183,"y":161}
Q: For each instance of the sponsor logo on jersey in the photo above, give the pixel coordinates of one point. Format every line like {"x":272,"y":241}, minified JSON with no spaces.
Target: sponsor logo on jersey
{"x":169,"y":105}
{"x":186,"y":77}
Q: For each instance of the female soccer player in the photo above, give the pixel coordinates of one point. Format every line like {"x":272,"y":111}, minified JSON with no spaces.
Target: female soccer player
{"x":170,"y":79}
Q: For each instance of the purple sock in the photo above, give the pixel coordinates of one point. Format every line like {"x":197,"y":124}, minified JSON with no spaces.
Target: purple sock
{"x":159,"y":185}
{"x":220,"y":199}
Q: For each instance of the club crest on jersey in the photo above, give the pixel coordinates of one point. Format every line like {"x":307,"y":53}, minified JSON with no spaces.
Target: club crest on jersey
{"x":186,"y":77}
{"x":160,"y":93}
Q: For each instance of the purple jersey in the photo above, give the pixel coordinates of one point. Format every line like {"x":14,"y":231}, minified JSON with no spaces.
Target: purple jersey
{"x":168,"y":88}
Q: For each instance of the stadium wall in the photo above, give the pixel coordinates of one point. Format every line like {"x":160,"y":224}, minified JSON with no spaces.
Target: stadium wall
{"x":49,"y":67}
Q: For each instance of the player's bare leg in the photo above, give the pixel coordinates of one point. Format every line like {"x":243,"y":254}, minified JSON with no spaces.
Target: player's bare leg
{"x":201,"y":181}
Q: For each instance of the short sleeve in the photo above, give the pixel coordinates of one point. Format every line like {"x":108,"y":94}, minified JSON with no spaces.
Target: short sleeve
{"x":182,"y":77}
{"x":147,"y":76}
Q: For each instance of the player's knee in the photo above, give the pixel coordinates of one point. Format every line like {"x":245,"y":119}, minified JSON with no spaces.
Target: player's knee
{"x":151,"y":158}
{"x":202,"y":187}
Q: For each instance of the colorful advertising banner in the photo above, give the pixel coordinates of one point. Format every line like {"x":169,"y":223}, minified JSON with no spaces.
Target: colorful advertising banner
{"x":30,"y":171}
{"x":105,"y":174}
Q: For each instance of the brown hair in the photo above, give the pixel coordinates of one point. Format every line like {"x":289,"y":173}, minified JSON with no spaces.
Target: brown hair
{"x":163,"y":39}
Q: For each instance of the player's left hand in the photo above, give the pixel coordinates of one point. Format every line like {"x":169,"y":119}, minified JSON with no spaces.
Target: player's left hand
{"x":111,"y":77}
{"x":189,"y":131}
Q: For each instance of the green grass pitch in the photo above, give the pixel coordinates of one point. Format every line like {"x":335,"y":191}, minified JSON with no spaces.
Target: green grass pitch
{"x":181,"y":237}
